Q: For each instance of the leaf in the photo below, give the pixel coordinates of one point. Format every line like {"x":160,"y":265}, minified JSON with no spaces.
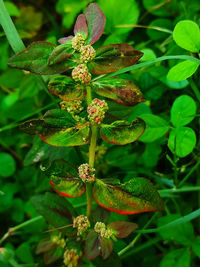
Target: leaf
{"x":81,"y":25}
{"x":156,"y":127}
{"x":121,"y":132}
{"x":106,"y":247}
{"x":186,"y":34}
{"x":136,"y":196}
{"x":183,"y":110}
{"x":66,"y":88}
{"x":92,"y":245}
{"x":23,"y":252}
{"x":56,"y":210}
{"x":95,"y":21}
{"x":182,"y":141}
{"x":123,"y":229}
{"x":114,"y":57}
{"x":176,"y":258}
{"x":53,"y":255}
{"x":60,"y":53}
{"x":7,"y":166}
{"x":100,"y":215}
{"x":68,"y":187}
{"x":196,"y":246}
{"x":182,"y":71}
{"x":122,"y":91}
{"x":45,"y":245}
{"x":35,"y":59}
{"x":64,"y":40}
{"x":57,"y":129}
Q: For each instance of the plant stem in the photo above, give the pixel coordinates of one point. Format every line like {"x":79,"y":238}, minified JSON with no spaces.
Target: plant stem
{"x":94,"y":131}
{"x":189,"y":173}
{"x":195,"y":89}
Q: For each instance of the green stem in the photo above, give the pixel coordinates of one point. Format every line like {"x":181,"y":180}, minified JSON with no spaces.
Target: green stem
{"x":189,"y":173}
{"x":195,"y":89}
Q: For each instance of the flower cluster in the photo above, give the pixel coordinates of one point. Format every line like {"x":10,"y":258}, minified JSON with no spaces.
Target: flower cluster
{"x":86,"y":173}
{"x":81,"y":74}
{"x":101,"y":229}
{"x":72,"y":257}
{"x":96,"y":110}
{"x":56,"y":239}
{"x":88,"y":53}
{"x":73,"y":107}
{"x":81,"y":223}
{"x":78,"y":41}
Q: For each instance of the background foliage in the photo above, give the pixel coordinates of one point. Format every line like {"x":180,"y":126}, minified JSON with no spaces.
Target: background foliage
{"x":167,"y":153}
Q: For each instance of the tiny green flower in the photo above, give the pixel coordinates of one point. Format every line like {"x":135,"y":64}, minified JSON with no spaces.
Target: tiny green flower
{"x":101,"y":229}
{"x":86,"y":173}
{"x":96,"y":110}
{"x":81,"y":223}
{"x":88,"y":53}
{"x":81,"y":74}
{"x":72,"y":257}
{"x":78,"y":41}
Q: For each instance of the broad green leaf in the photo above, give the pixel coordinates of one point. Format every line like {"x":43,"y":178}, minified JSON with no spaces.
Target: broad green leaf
{"x":182,"y":141}
{"x":106,"y":247}
{"x":162,"y":29}
{"x":81,"y":25}
{"x":122,"y":91}
{"x":122,"y":132}
{"x":57,"y":128}
{"x":156,"y":127}
{"x":45,"y":245}
{"x":196,"y":246}
{"x":12,"y":9}
{"x":66,"y":88}
{"x":136,"y":196}
{"x":114,"y":57}
{"x":95,"y":21}
{"x":183,"y":110}
{"x":182,"y":71}
{"x":53,"y":255}
{"x":187,"y":35}
{"x":151,"y":6}
{"x":92,"y":245}
{"x":123,"y":229}
{"x":7,"y":165}
{"x":149,"y":54}
{"x":35,"y":59}
{"x":23,"y":253}
{"x":56,"y":210}
{"x":60,"y":53}
{"x":68,"y":187}
{"x":176,"y":258}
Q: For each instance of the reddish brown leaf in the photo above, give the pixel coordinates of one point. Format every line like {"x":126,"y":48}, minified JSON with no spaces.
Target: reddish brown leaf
{"x":81,"y":25}
{"x":65,"y":39}
{"x":106,"y":247}
{"x":45,"y":245}
{"x":92,"y":246}
{"x":123,"y":229}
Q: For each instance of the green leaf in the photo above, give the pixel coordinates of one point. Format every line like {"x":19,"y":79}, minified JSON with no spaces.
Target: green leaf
{"x":183,"y":110}
{"x":156,"y":7}
{"x":56,"y":210}
{"x":186,"y":34}
{"x":7,"y":166}
{"x":114,"y":57}
{"x":66,"y":88}
{"x":92,"y":245}
{"x":182,"y":141}
{"x":176,"y":258}
{"x":53,"y":255}
{"x":35,"y":59}
{"x":60,"y":53}
{"x":57,"y":129}
{"x":106,"y":247}
{"x":122,"y":91}
{"x":123,"y":229}
{"x":12,"y":9}
{"x":95,"y":21}
{"x":122,"y":132}
{"x":182,"y":71}
{"x":68,"y":187}
{"x":156,"y":127}
{"x":45,"y":245}
{"x":196,"y":246}
{"x":23,"y":252}
{"x":81,"y":25}
{"x":136,"y":196}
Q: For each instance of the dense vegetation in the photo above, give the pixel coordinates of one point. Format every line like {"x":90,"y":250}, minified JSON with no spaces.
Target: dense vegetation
{"x":124,"y":122}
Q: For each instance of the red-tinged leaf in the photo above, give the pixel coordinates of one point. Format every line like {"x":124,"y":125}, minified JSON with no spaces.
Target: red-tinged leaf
{"x":56,"y":210}
{"x":35,"y":59}
{"x":136,"y":196}
{"x":122,"y":132}
{"x":106,"y":247}
{"x":100,"y":215}
{"x":64,"y":40}
{"x":68,"y":187}
{"x":58,"y":118}
{"x":81,"y":25}
{"x":95,"y":21}
{"x":122,"y":91}
{"x":60,"y":53}
{"x":66,"y":88}
{"x":114,"y":57}
{"x":53,"y":255}
{"x":45,"y":245}
{"x":123,"y":229}
{"x":92,"y":246}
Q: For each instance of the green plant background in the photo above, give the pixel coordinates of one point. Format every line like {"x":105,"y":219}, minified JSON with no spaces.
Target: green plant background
{"x":167,"y":153}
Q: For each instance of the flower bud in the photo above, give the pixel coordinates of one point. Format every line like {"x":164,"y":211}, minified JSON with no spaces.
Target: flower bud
{"x":101,"y":229}
{"x":72,"y":258}
{"x":86,"y":173}
{"x":78,"y":41}
{"x":81,"y":223}
{"x":81,"y":74}
{"x":88,"y":53}
{"x":96,"y":110}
